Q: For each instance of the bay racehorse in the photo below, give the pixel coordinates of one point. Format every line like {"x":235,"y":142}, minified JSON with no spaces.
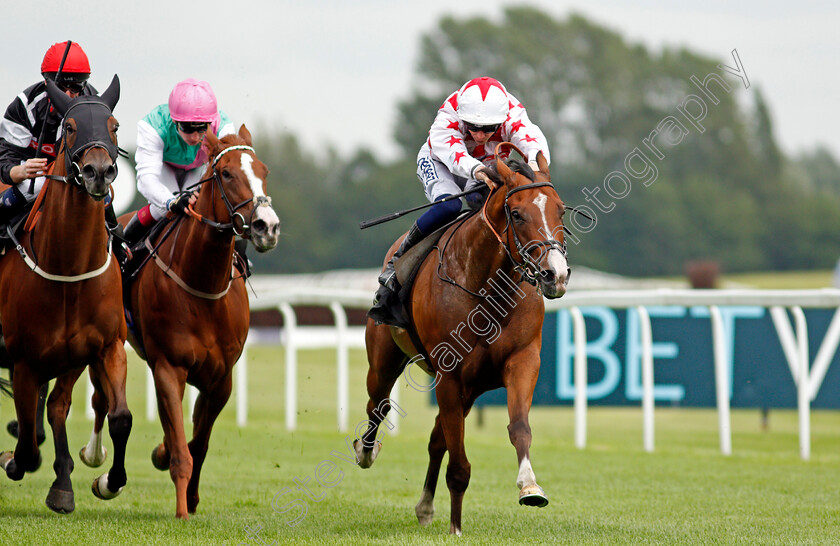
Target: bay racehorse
{"x":477,"y":326}
{"x":190,"y":316}
{"x":61,"y":305}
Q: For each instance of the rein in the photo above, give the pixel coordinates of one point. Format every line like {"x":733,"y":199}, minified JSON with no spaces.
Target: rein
{"x":244,"y":226}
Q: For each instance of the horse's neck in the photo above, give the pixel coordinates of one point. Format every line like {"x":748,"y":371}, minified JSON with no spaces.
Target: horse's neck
{"x":203,"y":253}
{"x":479,"y":254}
{"x":70,"y":232}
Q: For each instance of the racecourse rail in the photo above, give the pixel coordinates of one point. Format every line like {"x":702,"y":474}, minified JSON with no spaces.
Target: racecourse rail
{"x":793,"y":338}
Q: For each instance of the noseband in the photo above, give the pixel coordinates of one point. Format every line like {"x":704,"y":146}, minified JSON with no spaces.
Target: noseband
{"x":530,"y":268}
{"x":242,"y":227}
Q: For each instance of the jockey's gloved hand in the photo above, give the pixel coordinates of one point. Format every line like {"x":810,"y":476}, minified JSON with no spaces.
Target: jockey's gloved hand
{"x":179,"y":203}
{"x":477,"y":198}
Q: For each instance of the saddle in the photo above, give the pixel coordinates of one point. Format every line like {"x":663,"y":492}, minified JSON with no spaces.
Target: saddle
{"x":392,"y":308}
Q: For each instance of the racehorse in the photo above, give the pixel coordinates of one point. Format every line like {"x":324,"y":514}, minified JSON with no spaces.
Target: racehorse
{"x":190,"y":316}
{"x":469,"y":306}
{"x":61,"y":305}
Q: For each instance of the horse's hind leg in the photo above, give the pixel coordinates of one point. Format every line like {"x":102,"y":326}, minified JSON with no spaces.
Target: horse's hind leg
{"x":207,"y":408}
{"x":110,"y":376}
{"x":520,"y":390}
{"x":169,"y":384}
{"x":385,"y":366}
{"x":27,"y":457}
{"x":60,"y":498}
{"x":425,"y":509}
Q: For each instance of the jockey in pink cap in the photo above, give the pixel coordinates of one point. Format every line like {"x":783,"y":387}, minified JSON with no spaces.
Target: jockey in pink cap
{"x":170,"y":157}
{"x":462,"y":140}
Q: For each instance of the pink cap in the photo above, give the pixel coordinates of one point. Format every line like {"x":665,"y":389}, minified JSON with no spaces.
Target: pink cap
{"x":193,"y":100}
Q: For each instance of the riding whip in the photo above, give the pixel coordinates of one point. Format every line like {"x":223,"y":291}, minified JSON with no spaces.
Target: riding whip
{"x":394,"y":215}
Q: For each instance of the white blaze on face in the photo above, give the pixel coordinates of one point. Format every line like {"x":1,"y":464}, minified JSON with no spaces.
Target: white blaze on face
{"x":556,"y":260}
{"x":253,"y":179}
{"x":266,"y":214}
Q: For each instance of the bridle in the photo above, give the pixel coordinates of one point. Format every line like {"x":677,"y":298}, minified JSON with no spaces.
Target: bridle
{"x":88,"y":137}
{"x":530,"y":268}
{"x":243,"y":226}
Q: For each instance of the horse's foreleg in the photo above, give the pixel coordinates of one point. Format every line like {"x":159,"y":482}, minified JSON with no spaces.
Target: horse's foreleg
{"x":110,"y":376}
{"x":452,"y":413}
{"x":385,"y":360}
{"x":169,"y":383}
{"x":27,"y":457}
{"x":94,"y":453}
{"x":425,"y":509}
{"x":520,"y":381}
{"x":60,"y":498}
{"x":207,"y":408}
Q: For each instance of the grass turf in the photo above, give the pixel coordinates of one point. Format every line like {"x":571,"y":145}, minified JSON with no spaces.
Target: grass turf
{"x":612,"y":492}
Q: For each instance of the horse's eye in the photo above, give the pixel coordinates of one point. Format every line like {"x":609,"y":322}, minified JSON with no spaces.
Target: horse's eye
{"x":116,"y":127}
{"x":515,"y":215}
{"x":225,"y":173}
{"x":68,"y":128}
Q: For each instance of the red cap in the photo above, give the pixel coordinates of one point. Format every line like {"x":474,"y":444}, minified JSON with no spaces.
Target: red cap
{"x":76,"y":62}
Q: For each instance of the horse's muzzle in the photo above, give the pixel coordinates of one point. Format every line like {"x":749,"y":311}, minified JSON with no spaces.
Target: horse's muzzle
{"x":265,"y":229}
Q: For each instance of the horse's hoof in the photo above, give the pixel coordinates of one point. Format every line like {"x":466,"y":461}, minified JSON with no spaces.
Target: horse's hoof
{"x":159,"y":462}
{"x":364,"y":455}
{"x":100,"y":488}
{"x":425,"y":515}
{"x":60,"y":501}
{"x":533,"y":495}
{"x":5,"y":458}
{"x":96,"y":460}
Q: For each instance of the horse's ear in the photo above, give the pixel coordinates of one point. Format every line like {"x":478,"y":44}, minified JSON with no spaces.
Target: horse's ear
{"x":211,"y":141}
{"x":60,"y":101}
{"x":503,"y":170}
{"x":542,"y":163}
{"x":112,"y":95}
{"x":245,"y":134}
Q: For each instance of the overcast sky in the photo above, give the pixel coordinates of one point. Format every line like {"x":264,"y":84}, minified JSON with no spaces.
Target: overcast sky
{"x":334,"y":70}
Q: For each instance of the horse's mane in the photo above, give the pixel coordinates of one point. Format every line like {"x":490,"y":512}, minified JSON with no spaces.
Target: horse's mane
{"x":517,"y":166}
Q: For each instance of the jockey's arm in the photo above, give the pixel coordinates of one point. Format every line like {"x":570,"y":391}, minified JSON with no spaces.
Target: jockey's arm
{"x":149,"y":160}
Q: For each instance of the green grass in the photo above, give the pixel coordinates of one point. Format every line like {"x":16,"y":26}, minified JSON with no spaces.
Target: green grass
{"x":612,"y":492}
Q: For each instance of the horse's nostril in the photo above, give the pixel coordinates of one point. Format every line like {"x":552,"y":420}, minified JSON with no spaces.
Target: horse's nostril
{"x":547,"y":276}
{"x":258,"y":225}
{"x":88,"y":172}
{"x":110,"y":173}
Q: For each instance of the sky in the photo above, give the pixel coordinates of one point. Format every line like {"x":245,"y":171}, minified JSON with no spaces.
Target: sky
{"x":333,"y":71}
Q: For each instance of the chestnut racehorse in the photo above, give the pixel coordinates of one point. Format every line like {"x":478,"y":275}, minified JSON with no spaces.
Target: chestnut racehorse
{"x":477,"y":326}
{"x":190,"y":317}
{"x":61,"y":305}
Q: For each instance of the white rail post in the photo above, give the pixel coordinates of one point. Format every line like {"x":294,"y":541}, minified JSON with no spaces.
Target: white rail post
{"x":580,"y":375}
{"x":722,"y":367}
{"x":647,"y":377}
{"x":803,"y":391}
{"x":343,"y":383}
{"x":242,"y":387}
{"x":290,"y":325}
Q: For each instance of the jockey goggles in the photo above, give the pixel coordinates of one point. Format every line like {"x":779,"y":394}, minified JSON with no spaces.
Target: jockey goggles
{"x":189,"y":127}
{"x":490,"y":129}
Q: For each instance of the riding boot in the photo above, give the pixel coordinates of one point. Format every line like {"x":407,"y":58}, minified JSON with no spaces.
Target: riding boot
{"x":12,"y":201}
{"x":388,"y":277}
{"x":134,"y":231}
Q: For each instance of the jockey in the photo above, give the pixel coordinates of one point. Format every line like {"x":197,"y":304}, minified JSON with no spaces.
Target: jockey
{"x":27,"y":119}
{"x":453,"y":159}
{"x":170,"y":157}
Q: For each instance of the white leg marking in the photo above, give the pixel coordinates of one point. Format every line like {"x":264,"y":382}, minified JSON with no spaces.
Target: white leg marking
{"x":94,"y":453}
{"x":526,"y":474}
